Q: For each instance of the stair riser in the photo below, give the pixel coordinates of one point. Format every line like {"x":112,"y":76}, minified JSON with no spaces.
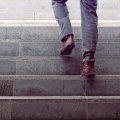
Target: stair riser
{"x":108,"y":14}
{"x":57,"y":66}
{"x":53,"y":49}
{"x":17,"y":48}
{"x":30,"y":10}
{"x":46,"y":5}
{"x":104,"y":14}
{"x":110,"y":5}
{"x":58,"y":110}
{"x":60,"y":86}
{"x":42,"y":87}
{"x":39,"y":33}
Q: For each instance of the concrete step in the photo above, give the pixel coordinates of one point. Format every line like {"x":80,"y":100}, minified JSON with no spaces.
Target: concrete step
{"x":109,"y":4}
{"x":108,"y":14}
{"x":55,"y":65}
{"x":44,"y":6}
{"x":36,"y":30}
{"x":12,"y":47}
{"x":37,"y":10}
{"x":103,"y":14}
{"x":36,"y":5}
{"x":60,"y":108}
{"x":59,"y":85}
{"x":75,"y":14}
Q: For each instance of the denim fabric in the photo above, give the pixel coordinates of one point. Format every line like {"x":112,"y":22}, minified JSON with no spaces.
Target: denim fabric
{"x":89,"y":22}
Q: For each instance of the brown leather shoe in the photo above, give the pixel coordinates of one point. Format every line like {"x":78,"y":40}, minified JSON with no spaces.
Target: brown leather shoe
{"x":68,"y":45}
{"x":88,"y":69}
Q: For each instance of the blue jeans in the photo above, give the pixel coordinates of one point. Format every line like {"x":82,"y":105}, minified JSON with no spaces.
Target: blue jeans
{"x":89,"y":22}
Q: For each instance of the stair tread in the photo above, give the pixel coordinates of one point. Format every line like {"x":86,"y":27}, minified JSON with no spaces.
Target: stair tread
{"x":22,"y":23}
{"x":54,"y":57}
{"x":55,"y":77}
{"x":60,"y":98}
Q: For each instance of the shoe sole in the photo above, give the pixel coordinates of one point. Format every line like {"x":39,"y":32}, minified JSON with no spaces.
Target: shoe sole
{"x":67,"y":50}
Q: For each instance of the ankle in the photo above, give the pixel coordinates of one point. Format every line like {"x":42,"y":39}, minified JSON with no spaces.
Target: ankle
{"x":89,"y":59}
{"x":67,"y":37}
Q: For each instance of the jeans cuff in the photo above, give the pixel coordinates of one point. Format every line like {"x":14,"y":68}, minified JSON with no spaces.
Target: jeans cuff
{"x":89,"y":56}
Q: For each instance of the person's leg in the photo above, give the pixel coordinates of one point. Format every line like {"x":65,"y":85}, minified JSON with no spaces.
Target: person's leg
{"x":62,"y":16}
{"x":89,"y":31}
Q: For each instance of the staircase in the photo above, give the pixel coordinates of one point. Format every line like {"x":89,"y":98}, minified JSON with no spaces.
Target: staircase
{"x":36,"y":83}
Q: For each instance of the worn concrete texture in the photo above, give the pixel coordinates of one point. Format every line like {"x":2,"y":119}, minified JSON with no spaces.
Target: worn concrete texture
{"x":56,"y":65}
{"x":36,"y":31}
{"x":60,"y":108}
{"x":59,"y":85}
{"x":38,"y":9}
{"x":52,"y":48}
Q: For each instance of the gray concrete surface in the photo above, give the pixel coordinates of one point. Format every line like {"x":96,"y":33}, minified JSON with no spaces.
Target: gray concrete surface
{"x":52,"y":48}
{"x":32,"y":52}
{"x":36,"y":30}
{"x":60,"y":108}
{"x":38,"y":9}
{"x":19,"y":38}
{"x":67,"y":65}
{"x":59,"y":85}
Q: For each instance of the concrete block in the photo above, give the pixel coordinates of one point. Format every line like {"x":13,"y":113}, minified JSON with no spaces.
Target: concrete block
{"x":37,"y":88}
{"x":103,"y":86}
{"x":114,"y":48}
{"x":30,"y":31}
{"x":14,"y":32}
{"x":104,"y":65}
{"x":9,"y":48}
{"x":48,"y":87}
{"x":66,"y":66}
{"x":3,"y":33}
{"x":102,"y":49}
{"x":43,"y":66}
{"x":112,"y":34}
{"x":59,"y":85}
{"x":77,"y":88}
{"x":53,"y":48}
{"x":7,"y":67}
{"x":72,"y":108}
{"x":36,"y":110}
{"x":40,"y":49}
{"x":5,"y":111}
{"x":103,"y":111}
{"x":39,"y":33}
{"x":75,"y":110}
{"x":6,"y":88}
{"x":51,"y":110}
